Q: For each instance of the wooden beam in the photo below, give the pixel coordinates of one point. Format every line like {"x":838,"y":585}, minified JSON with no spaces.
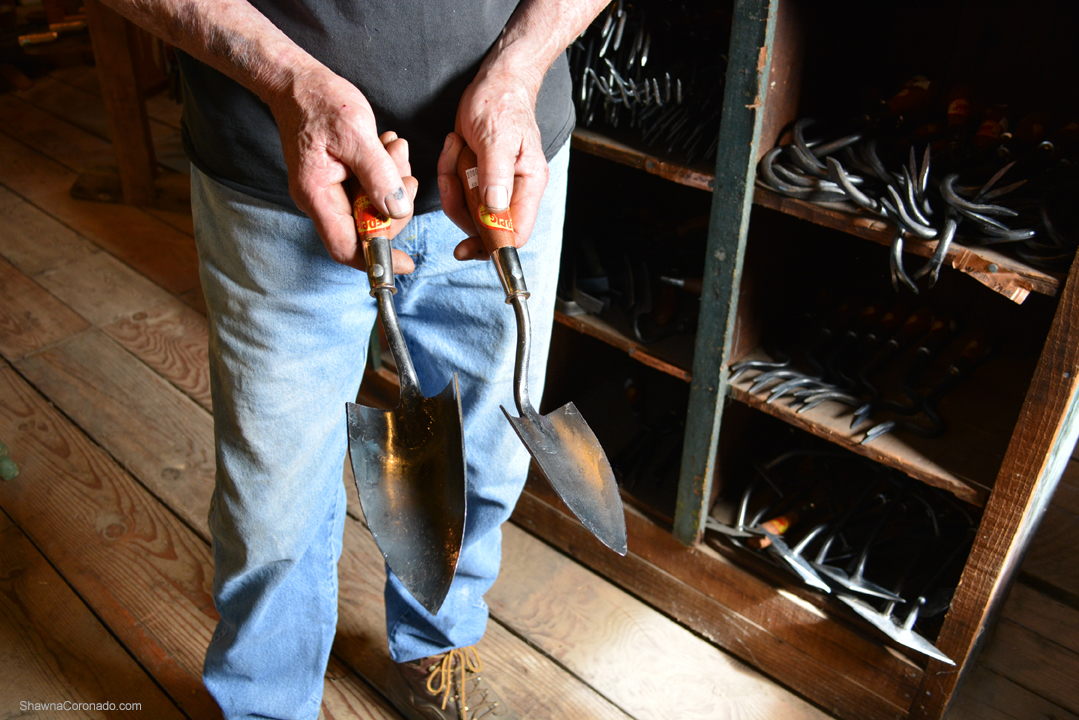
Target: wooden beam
{"x":110,"y":34}
{"x":1037,"y":455}
{"x":752,"y":35}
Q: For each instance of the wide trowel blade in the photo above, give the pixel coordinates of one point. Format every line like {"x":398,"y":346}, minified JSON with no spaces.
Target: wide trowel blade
{"x":570,"y":457}
{"x":410,"y":476}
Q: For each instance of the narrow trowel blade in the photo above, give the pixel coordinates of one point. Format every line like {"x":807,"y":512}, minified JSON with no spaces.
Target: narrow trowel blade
{"x":570,"y":457}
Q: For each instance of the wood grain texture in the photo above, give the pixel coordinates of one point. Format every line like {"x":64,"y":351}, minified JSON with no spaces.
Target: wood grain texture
{"x":174,"y":341}
{"x":1043,"y":615}
{"x":773,"y":628}
{"x":113,"y":38}
{"x":1038,"y":664}
{"x":1052,"y":555}
{"x":1013,"y":278}
{"x":86,"y":111}
{"x":643,"y":662}
{"x":102,"y":289}
{"x":159,"y":251}
{"x":84,"y":77}
{"x":146,"y":575}
{"x":33,"y":241}
{"x":986,"y":695}
{"x":1038,"y":452}
{"x":31,"y":318}
{"x":157,"y":433}
{"x":53,"y":649}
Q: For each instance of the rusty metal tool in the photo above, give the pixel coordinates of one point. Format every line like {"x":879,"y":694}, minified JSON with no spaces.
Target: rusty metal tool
{"x":409,"y":462}
{"x":563,"y":446}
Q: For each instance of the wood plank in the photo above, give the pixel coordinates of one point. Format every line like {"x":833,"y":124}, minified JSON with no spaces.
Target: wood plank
{"x":774,"y":628}
{"x":33,"y":241}
{"x":86,"y":111}
{"x":53,"y":649}
{"x":596,"y":327}
{"x":85,"y":77}
{"x":146,"y":574}
{"x":160,"y":252}
{"x":1043,"y":615}
{"x":1051,"y":558}
{"x":1012,"y":278}
{"x":831,"y":421}
{"x":640,"y":660}
{"x":102,"y":289}
{"x":1039,"y":449}
{"x":597,"y":144}
{"x":1036,"y":663}
{"x":986,"y":695}
{"x":113,"y":37}
{"x":174,"y":341}
{"x":31,"y":318}
{"x":108,"y":392}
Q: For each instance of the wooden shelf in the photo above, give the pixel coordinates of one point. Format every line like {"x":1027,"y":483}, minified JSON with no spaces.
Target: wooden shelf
{"x":669,"y":356}
{"x":602,"y":146}
{"x":1011,"y":277}
{"x":1001,"y":273}
{"x":980,"y":413}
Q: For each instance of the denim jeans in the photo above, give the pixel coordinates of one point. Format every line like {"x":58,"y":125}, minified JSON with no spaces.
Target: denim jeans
{"x":288,"y":340}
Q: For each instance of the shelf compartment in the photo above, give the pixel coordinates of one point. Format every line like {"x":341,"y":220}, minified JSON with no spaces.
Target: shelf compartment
{"x":965,"y":461}
{"x":1012,"y":278}
{"x":600,"y":145}
{"x":652,"y":357}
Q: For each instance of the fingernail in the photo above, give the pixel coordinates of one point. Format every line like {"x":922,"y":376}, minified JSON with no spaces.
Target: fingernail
{"x":398,"y":204}
{"x":448,"y":143}
{"x":496,"y":198}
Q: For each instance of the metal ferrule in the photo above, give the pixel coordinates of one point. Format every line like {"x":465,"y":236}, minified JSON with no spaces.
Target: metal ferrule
{"x":510,"y":273}
{"x":376,"y":251}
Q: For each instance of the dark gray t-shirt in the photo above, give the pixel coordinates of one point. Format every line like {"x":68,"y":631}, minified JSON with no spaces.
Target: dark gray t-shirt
{"x":412,"y":60}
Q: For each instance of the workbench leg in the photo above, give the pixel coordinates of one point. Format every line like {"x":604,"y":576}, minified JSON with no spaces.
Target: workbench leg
{"x":110,"y":34}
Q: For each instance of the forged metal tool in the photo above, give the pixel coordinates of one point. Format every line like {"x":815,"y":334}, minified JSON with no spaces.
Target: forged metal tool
{"x":409,"y":462}
{"x":564,"y":447}
{"x":973,"y":353}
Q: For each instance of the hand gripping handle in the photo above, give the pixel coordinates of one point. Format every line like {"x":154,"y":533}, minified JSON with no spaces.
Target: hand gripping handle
{"x":496,"y":229}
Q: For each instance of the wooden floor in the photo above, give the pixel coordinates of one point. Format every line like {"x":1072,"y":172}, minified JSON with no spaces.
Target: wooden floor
{"x":105,"y":567}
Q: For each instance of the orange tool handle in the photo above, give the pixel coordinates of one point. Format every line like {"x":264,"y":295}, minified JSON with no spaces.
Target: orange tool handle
{"x":496,"y":229}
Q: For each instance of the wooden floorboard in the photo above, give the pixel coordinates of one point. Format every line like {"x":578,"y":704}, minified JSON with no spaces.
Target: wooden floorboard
{"x":145,"y":574}
{"x":54,"y":651}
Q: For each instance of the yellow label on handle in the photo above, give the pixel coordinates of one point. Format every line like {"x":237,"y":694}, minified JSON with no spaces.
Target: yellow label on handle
{"x":496,"y":221}
{"x":368,"y":219}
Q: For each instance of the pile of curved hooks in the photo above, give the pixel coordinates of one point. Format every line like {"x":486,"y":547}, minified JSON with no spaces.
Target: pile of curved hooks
{"x":675,"y":106}
{"x":848,"y":174}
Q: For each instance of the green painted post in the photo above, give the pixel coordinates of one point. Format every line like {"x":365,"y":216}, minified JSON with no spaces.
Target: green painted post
{"x":750,"y":58}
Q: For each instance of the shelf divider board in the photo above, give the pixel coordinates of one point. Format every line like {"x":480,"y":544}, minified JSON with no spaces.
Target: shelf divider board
{"x":1037,"y":454}
{"x":891,"y":450}
{"x":753,"y":30}
{"x":597,"y":328}
{"x":1012,"y":278}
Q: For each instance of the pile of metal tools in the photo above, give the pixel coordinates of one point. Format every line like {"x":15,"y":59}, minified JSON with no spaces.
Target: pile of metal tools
{"x":887,"y":547}
{"x":848,"y":349}
{"x":658,"y":77}
{"x":941,"y":176}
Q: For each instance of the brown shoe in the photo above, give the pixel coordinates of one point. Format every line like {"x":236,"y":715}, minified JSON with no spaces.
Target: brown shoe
{"x":445,"y":687}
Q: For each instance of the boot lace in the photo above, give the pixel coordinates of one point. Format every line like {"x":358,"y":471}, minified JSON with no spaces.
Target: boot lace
{"x":441,"y":681}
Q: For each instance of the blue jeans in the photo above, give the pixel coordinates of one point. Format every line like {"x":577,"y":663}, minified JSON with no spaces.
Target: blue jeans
{"x":288,"y":341}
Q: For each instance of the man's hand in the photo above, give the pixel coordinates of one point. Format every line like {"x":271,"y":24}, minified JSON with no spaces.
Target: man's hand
{"x":328,"y":133}
{"x":497,"y":119}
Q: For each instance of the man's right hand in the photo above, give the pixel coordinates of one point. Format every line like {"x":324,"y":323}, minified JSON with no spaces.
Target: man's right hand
{"x":328,"y":132}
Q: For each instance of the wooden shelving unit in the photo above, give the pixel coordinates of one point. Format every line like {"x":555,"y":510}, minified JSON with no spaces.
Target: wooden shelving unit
{"x":1012,"y":426}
